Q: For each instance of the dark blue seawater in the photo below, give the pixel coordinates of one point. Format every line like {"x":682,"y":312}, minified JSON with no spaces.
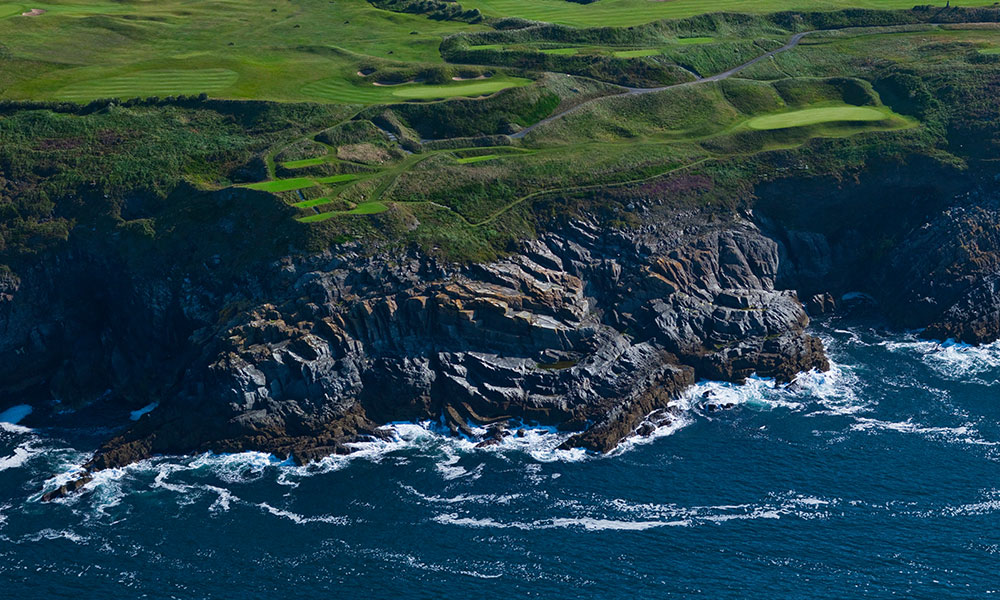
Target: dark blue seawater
{"x":880,"y":479}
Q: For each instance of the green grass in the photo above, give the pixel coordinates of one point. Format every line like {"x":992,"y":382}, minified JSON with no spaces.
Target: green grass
{"x":695,"y":40}
{"x":475,"y":159}
{"x":368,"y":208}
{"x":151,"y":83}
{"x":8,"y":10}
{"x":637,"y":53}
{"x":364,"y":208}
{"x":283,"y":185}
{"x":338,"y":89}
{"x":608,"y":13}
{"x":815,"y":116}
{"x":337,"y":178}
{"x":307,"y":50}
{"x":312,"y":203}
{"x":299,"y":183}
{"x":250,"y":49}
{"x":469,"y":88}
{"x":989,"y":51}
{"x":305,"y":162}
{"x":561,"y":51}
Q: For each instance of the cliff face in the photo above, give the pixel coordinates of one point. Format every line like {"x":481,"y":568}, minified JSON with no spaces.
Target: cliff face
{"x":921,"y":238}
{"x":589,"y":328}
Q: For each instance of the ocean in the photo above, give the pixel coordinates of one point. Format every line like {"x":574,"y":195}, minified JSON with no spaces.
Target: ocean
{"x":878,"y":479}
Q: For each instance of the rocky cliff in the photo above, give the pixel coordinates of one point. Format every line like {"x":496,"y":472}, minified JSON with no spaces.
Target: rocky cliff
{"x":590,"y":327}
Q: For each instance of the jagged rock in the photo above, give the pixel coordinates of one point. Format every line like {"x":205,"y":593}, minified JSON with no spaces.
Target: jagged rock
{"x":821,"y":304}
{"x":374,"y":343}
{"x":589,"y":328}
{"x":946,"y":274}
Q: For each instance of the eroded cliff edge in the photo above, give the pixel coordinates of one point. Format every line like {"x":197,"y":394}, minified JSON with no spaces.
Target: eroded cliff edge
{"x":593,"y":327}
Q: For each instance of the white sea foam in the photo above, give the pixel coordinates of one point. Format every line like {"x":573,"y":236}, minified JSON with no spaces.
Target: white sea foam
{"x":541,"y":443}
{"x":620,"y":514}
{"x":989,"y":505}
{"x":965,"y":434}
{"x":775,"y":506}
{"x":15,"y":414}
{"x":416,"y":563}
{"x":833,"y":390}
{"x":239,"y":467}
{"x":55,"y":534}
{"x":488,"y":499}
{"x":22,"y":454}
{"x":952,"y":360}
{"x":302,"y":519}
{"x":586,"y":523}
{"x":677,"y":422}
{"x":224,"y":501}
{"x":15,"y":429}
{"x":449,"y":468}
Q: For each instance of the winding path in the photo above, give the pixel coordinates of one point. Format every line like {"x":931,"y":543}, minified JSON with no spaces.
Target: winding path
{"x":793,"y":42}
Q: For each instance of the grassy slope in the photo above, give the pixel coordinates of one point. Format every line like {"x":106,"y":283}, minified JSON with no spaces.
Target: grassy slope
{"x":271,"y":49}
{"x":634,"y":12}
{"x":465,"y":203}
{"x":815,"y":116}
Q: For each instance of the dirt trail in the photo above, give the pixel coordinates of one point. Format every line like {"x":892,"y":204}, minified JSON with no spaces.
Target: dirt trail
{"x":793,"y":42}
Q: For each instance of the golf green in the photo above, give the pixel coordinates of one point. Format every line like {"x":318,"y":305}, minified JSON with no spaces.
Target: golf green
{"x":814,"y":116}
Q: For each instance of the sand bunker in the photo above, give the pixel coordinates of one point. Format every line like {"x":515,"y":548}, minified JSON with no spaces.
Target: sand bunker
{"x":33,"y":12}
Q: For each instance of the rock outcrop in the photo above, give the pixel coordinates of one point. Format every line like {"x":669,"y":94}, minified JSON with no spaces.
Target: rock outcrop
{"x":920,"y":239}
{"x":589,"y":329}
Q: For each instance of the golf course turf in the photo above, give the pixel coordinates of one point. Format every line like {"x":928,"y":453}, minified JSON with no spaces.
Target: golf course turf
{"x":151,"y":83}
{"x":814,"y":116}
{"x":462,"y":125}
{"x":467,"y":88}
{"x":283,"y":185}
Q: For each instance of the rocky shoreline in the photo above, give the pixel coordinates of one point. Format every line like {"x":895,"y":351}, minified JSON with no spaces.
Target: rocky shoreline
{"x":590,"y":328}
{"x":587,"y":330}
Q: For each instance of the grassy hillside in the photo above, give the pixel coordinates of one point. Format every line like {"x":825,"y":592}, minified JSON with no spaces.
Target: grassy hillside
{"x":271,"y":49}
{"x":605,"y":13}
{"x":458,"y":136}
{"x":349,"y":51}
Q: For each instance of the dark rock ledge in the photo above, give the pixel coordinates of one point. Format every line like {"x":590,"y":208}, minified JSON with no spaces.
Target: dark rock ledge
{"x":591,"y":330}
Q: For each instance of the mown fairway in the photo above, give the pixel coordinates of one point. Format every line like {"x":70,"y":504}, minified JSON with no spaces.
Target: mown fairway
{"x":288,"y":50}
{"x":365,"y":208}
{"x":341,"y":89}
{"x":261,"y":49}
{"x":472,"y":88}
{"x":814,"y":116}
{"x":7,"y":10}
{"x":152,"y":83}
{"x":283,"y":185}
